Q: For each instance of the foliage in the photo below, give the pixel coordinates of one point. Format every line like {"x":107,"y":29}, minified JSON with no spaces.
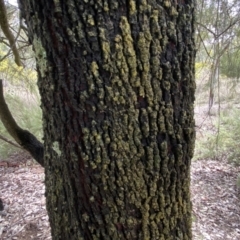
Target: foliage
{"x":230,"y":64}
{"x":22,"y":98}
{"x":21,"y":76}
{"x":224,"y":140}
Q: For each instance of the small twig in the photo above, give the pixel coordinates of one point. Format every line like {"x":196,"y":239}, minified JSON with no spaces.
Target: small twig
{"x":4,"y":24}
{"x":10,"y":142}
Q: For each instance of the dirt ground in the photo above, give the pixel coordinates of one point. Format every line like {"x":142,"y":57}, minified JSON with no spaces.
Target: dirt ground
{"x":215,"y":198}
{"x":22,"y":192}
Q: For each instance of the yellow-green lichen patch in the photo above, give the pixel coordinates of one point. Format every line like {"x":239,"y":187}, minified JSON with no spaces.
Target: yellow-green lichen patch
{"x":132,"y":7}
{"x":167,"y":3}
{"x":129,"y":51}
{"x":132,"y":142}
{"x":90,"y":20}
{"x":56,"y":148}
{"x":105,"y":47}
{"x":41,"y":56}
{"x":71,"y":35}
{"x":57,"y":6}
{"x":94,"y":69}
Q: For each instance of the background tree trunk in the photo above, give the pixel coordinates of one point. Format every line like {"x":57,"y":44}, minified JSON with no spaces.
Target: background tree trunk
{"x":116,"y":80}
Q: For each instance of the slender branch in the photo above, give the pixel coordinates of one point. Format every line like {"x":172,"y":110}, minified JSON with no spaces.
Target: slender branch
{"x":2,"y":40}
{"x":208,"y":29}
{"x":228,"y":27}
{"x":217,"y":35}
{"x":9,"y":53}
{"x":10,"y":142}
{"x":23,"y":137}
{"x":7,"y":32}
{"x":204,"y":46}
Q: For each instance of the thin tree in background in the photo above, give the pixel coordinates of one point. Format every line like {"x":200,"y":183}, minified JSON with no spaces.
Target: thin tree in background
{"x":217,"y":25}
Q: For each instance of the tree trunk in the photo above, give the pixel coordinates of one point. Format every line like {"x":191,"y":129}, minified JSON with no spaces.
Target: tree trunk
{"x":116,"y":80}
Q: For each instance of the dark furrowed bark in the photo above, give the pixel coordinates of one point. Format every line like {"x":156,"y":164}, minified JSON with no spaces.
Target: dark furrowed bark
{"x":116,"y":80}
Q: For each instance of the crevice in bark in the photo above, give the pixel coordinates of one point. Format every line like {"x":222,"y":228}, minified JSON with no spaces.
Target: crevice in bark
{"x":23,"y":137}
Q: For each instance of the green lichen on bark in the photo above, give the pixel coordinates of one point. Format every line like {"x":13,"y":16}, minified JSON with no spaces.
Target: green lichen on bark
{"x":121,"y":108}
{"x":40,"y":55}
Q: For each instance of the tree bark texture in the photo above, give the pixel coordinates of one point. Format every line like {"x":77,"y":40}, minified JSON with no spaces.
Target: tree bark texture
{"x":116,"y":80}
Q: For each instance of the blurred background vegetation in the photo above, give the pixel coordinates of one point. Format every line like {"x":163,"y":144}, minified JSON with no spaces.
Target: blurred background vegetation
{"x":217,"y":108}
{"x":21,"y":95}
{"x":20,"y":82}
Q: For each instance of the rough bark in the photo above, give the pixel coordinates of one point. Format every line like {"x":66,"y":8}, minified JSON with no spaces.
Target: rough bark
{"x":116,"y":80}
